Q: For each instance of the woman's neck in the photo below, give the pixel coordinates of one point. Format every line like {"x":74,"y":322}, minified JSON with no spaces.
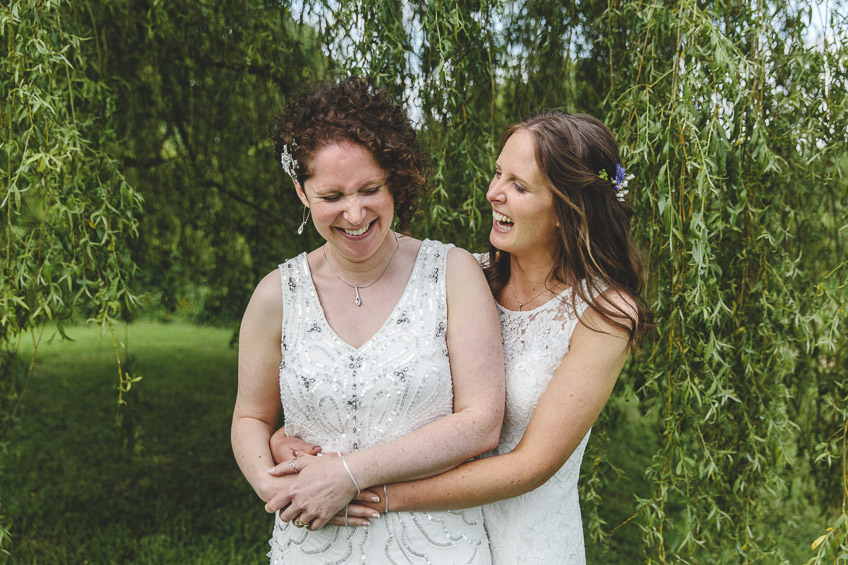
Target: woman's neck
{"x":365,"y":271}
{"x":530,"y":272}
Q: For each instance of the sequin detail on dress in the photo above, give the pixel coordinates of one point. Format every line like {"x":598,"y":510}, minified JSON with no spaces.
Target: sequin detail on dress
{"x":344,"y":399}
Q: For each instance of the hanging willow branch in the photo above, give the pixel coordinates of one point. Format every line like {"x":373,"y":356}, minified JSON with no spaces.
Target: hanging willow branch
{"x":735,"y":122}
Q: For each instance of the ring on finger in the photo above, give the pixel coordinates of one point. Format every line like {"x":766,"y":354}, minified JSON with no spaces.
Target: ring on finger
{"x":293,"y":464}
{"x":300,"y":523}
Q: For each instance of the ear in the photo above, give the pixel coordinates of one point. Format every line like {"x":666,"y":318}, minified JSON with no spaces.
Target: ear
{"x":300,"y":193}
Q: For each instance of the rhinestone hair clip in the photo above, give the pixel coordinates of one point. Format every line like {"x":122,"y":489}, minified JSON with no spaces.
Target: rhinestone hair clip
{"x":288,"y":162}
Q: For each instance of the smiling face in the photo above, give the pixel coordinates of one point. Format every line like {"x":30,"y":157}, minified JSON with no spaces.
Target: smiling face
{"x":522,"y":204}
{"x":352,"y":207}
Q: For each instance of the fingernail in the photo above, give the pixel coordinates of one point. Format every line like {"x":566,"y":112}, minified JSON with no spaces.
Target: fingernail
{"x":375,"y":514}
{"x":271,"y":470}
{"x":374,"y":499}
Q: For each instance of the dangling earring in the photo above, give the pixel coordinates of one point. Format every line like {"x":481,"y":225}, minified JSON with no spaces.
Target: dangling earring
{"x":306,"y":211}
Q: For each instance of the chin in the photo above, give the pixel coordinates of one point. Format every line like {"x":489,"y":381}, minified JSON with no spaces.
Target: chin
{"x":497,"y":239}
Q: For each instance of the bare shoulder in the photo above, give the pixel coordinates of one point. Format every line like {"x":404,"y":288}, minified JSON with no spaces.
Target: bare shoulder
{"x":467,"y":288}
{"x":460,"y":260}
{"x":266,"y":304}
{"x":618,"y":302}
{"x":269,"y":290}
{"x":595,"y":326}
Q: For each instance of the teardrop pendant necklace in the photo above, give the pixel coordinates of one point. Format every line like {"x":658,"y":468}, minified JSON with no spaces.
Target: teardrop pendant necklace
{"x":357,"y":300}
{"x":526,"y":302}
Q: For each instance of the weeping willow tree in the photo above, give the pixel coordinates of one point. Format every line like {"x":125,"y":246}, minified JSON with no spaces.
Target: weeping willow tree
{"x":734,"y":118}
{"x":65,"y":209}
{"x":737,"y":120}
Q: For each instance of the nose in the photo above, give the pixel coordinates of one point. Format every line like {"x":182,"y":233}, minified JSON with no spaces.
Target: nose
{"x":355,"y":212}
{"x":495,"y":192}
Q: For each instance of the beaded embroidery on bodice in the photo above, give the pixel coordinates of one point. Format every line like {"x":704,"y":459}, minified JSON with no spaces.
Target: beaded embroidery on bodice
{"x":345,"y":398}
{"x":543,"y":526}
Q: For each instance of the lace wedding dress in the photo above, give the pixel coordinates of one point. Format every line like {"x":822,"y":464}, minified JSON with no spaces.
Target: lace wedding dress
{"x":542,"y":527}
{"x":344,"y":399}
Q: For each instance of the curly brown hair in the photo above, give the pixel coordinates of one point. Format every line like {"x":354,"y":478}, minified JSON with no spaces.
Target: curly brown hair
{"x":355,"y":110}
{"x":593,"y":243}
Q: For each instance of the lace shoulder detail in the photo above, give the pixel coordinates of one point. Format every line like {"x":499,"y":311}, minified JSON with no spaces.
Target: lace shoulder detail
{"x":482,"y":258}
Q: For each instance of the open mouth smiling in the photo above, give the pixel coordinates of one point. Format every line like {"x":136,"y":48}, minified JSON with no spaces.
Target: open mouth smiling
{"x":503,"y":222}
{"x":358,"y":232}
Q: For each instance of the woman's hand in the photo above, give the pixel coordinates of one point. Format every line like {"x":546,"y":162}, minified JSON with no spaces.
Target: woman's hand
{"x":285,"y":448}
{"x":369,"y":506}
{"x":318,"y":492}
{"x":296,"y":462}
{"x":357,"y":514}
{"x":271,"y":487}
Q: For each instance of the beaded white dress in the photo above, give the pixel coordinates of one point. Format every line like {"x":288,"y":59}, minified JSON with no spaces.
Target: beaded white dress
{"x":344,"y":399}
{"x":543,"y":526}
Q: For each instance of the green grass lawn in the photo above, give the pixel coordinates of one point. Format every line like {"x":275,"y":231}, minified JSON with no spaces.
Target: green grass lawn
{"x":160,"y":488}
{"x":163,"y":486}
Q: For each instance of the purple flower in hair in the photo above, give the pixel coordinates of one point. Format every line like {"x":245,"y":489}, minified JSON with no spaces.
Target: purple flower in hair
{"x":619,"y":174}
{"x":620,"y":182}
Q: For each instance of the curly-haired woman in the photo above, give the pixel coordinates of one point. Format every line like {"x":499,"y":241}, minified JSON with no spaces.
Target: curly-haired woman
{"x":379,"y":347}
{"x":567,"y":280}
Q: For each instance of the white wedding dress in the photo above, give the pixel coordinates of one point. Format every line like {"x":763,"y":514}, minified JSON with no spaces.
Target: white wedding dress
{"x":542,"y":527}
{"x":344,"y":399}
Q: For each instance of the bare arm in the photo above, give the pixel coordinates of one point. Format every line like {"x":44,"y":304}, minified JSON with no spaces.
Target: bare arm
{"x":476,"y":357}
{"x":258,"y":401}
{"x":575,"y":396}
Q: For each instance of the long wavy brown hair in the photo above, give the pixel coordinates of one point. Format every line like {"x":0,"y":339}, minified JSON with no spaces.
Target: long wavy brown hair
{"x":574,"y":152}
{"x":355,"y":110}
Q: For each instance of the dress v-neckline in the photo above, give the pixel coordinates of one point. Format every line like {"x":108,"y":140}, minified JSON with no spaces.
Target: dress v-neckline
{"x":314,"y":295}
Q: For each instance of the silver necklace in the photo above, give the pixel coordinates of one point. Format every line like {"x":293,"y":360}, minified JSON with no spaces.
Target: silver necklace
{"x":356,"y":287}
{"x":526,"y":302}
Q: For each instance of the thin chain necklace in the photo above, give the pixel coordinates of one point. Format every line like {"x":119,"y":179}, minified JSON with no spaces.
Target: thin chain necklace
{"x":526,"y":302}
{"x":356,"y":287}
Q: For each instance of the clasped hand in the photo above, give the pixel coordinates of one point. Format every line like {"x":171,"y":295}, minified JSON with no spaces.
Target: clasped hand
{"x":321,"y":492}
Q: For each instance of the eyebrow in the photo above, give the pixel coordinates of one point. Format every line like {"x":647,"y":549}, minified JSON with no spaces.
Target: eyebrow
{"x":519,"y":179}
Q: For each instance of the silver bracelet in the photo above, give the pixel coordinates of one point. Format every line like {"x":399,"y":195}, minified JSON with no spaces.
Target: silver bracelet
{"x":349,"y":474}
{"x":386,"y":496}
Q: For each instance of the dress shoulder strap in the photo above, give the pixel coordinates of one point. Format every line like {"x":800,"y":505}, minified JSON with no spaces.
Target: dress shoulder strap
{"x":293,"y":275}
{"x":432,"y":270}
{"x":434,"y":262}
